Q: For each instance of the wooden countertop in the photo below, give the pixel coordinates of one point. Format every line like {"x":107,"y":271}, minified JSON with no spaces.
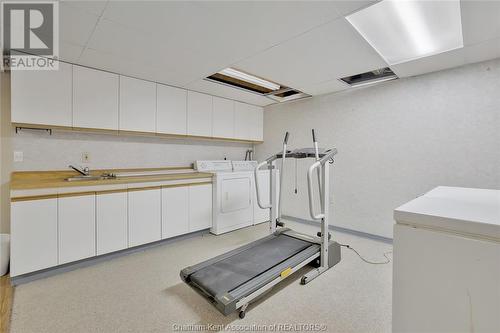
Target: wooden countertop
{"x":26,"y":180}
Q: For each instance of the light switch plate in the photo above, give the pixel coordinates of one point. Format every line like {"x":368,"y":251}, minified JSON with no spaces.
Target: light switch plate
{"x":18,"y":156}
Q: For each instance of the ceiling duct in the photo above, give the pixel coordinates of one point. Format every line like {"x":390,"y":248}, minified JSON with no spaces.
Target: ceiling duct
{"x":377,"y":75}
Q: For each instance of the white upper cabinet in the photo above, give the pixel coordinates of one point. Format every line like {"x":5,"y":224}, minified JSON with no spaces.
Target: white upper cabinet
{"x":258,"y":129}
{"x":248,"y":122}
{"x":95,"y":99}
{"x":171,"y":110}
{"x":199,"y":114}
{"x":81,"y":97}
{"x":223,"y":118}
{"x":42,"y":96}
{"x":137,"y":105}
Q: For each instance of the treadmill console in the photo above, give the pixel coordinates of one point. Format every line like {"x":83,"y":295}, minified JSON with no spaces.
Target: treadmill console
{"x":304,"y":153}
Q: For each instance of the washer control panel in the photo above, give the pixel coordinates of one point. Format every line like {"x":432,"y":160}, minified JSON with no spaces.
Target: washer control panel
{"x":244,"y":165}
{"x":213,"y":166}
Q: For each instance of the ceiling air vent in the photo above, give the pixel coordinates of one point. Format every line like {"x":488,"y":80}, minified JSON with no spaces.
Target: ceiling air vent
{"x":378,"y":75}
{"x":248,"y":82}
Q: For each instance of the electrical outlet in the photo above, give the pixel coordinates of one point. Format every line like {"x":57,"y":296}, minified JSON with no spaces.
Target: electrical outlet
{"x":18,"y":156}
{"x":85,"y":157}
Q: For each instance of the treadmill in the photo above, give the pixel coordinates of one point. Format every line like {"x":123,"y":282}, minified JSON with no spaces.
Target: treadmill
{"x":231,"y":281}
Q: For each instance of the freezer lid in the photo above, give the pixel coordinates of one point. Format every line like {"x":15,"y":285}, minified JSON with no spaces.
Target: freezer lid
{"x":461,"y":210}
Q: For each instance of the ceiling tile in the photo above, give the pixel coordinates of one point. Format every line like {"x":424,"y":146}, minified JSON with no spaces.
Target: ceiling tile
{"x":480,"y":21}
{"x":304,"y":44}
{"x":351,"y":6}
{"x":90,"y":6}
{"x":222,"y":30}
{"x":324,"y":87}
{"x":120,"y":65}
{"x":433,"y":63}
{"x":329,"y":52}
{"x":69,"y":52}
{"x":482,"y":51}
{"x":75,"y":25}
{"x":114,"y":38}
{"x":220,"y":90}
{"x":177,"y":65}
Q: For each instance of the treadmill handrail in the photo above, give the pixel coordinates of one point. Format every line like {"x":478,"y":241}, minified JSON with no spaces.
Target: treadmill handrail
{"x":321,"y":162}
{"x":313,"y":214}
{"x":257,"y":188}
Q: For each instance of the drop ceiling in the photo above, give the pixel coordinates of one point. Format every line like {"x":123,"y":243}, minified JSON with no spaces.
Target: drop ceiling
{"x":306,"y":45}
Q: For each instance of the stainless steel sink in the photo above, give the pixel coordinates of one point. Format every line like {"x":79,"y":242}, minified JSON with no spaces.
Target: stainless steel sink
{"x":90,"y":177}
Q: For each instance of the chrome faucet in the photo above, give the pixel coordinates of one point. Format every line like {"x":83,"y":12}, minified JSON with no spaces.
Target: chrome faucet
{"x":83,"y":171}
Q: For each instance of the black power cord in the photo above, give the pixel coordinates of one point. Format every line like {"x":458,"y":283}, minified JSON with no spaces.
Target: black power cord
{"x":388,"y":260}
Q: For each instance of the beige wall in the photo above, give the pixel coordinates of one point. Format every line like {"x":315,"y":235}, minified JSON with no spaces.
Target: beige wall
{"x":5,"y":152}
{"x":396,"y":141}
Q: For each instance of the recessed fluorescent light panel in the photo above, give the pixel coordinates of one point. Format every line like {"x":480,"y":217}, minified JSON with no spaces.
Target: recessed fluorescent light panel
{"x":238,"y":79}
{"x":236,"y":74}
{"x":404,"y":30}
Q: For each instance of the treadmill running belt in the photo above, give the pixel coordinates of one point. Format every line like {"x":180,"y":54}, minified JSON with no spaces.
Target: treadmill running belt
{"x":227,"y":274}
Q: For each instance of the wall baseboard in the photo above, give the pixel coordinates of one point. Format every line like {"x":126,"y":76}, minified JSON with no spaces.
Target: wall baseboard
{"x":341,"y":229}
{"x":25,"y":278}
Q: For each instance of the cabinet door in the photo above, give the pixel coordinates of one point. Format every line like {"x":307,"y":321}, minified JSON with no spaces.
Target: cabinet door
{"x":111,"y":222}
{"x":242,"y":121}
{"x":137,"y":105}
{"x":200,"y":207}
{"x":175,"y":211}
{"x":199,"y":114}
{"x":76,"y":228}
{"x":248,"y":122}
{"x":144,"y":216}
{"x":258,"y":124}
{"x":223,"y":118}
{"x":42,"y":96}
{"x":171,"y":110}
{"x":33,"y":235}
{"x":95,"y":98}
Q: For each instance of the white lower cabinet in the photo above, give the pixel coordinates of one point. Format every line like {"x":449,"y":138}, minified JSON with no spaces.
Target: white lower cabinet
{"x":55,"y":231}
{"x":174,"y":211}
{"x":33,"y":235}
{"x":200,"y":207}
{"x":144,"y":216}
{"x":111,"y":222}
{"x":76,"y":216}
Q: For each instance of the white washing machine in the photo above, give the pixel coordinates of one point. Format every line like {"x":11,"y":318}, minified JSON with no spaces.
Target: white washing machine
{"x":259,"y":215}
{"x":234,"y":196}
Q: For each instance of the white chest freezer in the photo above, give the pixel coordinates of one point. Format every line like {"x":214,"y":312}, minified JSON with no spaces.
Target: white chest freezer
{"x":446,"y":274}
